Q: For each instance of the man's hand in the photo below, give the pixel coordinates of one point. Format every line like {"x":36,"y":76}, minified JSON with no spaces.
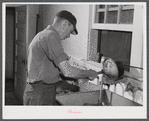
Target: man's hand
{"x":92,"y":74}
{"x":108,"y":73}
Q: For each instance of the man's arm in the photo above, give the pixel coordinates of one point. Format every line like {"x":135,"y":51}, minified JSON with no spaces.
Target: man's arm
{"x":73,"y":72}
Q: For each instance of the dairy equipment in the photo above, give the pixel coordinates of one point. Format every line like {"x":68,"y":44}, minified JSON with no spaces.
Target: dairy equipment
{"x":107,"y":68}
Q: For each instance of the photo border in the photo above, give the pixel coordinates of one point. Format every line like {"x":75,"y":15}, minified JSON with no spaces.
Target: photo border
{"x":57,"y":107}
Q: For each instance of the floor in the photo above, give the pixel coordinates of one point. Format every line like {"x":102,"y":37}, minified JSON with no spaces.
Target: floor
{"x":10,"y":99}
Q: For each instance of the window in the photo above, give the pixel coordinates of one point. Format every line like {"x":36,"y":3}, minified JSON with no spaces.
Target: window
{"x":113,"y":43}
{"x":118,"y":19}
{"x":113,"y":17}
{"x":114,"y":14}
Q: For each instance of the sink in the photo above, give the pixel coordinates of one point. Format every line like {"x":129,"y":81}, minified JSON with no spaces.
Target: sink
{"x":79,"y":98}
{"x":91,"y":98}
{"x":117,"y":100}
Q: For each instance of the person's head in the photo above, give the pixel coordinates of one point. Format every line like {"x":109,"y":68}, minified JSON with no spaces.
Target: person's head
{"x":65,"y":24}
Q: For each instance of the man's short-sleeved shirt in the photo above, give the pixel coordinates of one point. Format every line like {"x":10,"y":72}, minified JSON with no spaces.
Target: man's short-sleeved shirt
{"x":44,"y":54}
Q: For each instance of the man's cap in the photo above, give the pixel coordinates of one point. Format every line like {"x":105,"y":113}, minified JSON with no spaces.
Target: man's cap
{"x":70,"y":17}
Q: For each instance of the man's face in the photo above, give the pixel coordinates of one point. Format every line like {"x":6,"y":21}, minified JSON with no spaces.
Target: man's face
{"x":67,"y":30}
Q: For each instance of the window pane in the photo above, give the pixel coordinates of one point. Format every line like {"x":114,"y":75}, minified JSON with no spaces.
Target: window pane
{"x":112,"y":17}
{"x":113,"y":6}
{"x":99,"y":17}
{"x":101,"y":6}
{"x":126,"y":16}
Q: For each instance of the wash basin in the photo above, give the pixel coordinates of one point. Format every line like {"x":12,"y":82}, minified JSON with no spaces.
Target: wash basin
{"x":78,"y":99}
{"x":91,"y":98}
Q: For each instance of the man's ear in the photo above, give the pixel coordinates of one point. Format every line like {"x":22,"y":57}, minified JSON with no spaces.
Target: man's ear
{"x":64,"y":23}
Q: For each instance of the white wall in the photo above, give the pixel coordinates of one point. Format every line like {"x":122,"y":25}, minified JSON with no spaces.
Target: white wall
{"x":32,"y":11}
{"x":75,"y":45}
{"x":137,"y":41}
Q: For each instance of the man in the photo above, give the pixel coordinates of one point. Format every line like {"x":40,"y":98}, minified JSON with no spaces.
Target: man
{"x":46,"y":59}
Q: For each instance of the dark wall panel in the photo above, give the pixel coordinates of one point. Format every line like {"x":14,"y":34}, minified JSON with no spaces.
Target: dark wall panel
{"x":117,"y":45}
{"x":9,"y":42}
